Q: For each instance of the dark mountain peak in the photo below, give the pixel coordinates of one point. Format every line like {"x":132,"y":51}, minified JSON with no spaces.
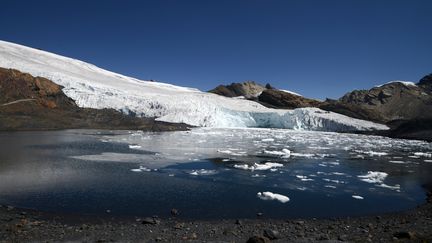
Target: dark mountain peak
{"x":391,"y":101}
{"x":275,"y":98}
{"x":426,"y":82}
{"x":248,"y":89}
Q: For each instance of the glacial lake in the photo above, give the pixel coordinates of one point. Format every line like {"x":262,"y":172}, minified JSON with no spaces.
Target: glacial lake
{"x":212,"y":173}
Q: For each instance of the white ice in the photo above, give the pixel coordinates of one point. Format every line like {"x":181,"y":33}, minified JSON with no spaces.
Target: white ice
{"x":93,"y":87}
{"x":256,"y":166}
{"x":272,"y":196}
{"x":285,"y":153}
{"x":373,"y":177}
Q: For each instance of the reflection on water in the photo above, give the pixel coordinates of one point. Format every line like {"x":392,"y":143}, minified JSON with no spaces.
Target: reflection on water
{"x":212,"y":173}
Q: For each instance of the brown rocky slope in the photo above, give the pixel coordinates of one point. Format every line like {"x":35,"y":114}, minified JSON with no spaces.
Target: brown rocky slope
{"x":35,"y":103}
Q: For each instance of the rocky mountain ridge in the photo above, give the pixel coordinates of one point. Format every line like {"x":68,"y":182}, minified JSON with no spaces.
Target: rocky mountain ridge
{"x":247,"y":89}
{"x":389,"y":102}
{"x":266,"y":95}
{"x":35,"y":103}
{"x":405,"y":107}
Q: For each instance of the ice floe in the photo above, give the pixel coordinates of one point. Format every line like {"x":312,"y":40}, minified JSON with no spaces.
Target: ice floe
{"x":285,"y":153}
{"x":272,"y":196}
{"x":373,"y":177}
{"x":395,"y":187}
{"x":202,"y":172}
{"x":256,"y":166}
{"x":304,"y":178}
{"x":357,"y":197}
{"x":422,"y":154}
{"x":134,"y":146}
{"x":397,"y":162}
{"x":306,"y":155}
{"x":372,"y":153}
{"x":141,"y":169}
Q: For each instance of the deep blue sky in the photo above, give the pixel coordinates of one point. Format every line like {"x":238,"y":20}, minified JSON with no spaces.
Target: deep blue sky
{"x":317,"y":48}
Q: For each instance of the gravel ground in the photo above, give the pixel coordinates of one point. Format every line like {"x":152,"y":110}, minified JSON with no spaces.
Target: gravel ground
{"x":17,"y":225}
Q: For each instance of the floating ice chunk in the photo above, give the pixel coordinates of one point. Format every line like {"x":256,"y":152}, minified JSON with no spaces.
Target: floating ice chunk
{"x":302,"y":188}
{"x":304,"y":178}
{"x":337,"y":173}
{"x":357,"y":197}
{"x":372,"y":153}
{"x":141,"y":169}
{"x":373,"y":177}
{"x":303,"y":155}
{"x":272,"y":196}
{"x":332,"y":163}
{"x":225,"y":151}
{"x":334,"y":181}
{"x":428,"y":160}
{"x":396,"y":162}
{"x":244,"y":167}
{"x":232,"y":153}
{"x":285,"y":153}
{"x":330,"y":186}
{"x":203,"y":172}
{"x":258,"y":175}
{"x":256,"y":166}
{"x":395,"y":187}
{"x":134,"y":146}
{"x":267,"y":140}
{"x":428,"y":155}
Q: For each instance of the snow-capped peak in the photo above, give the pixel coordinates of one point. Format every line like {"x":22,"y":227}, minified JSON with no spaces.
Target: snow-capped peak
{"x":94,"y":87}
{"x":291,"y":92}
{"x":406,"y":83}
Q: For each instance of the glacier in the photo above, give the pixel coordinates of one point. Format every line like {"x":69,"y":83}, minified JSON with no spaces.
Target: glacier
{"x":94,"y":87}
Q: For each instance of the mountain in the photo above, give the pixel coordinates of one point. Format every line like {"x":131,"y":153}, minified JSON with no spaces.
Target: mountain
{"x":34,"y":103}
{"x":266,"y":95}
{"x":247,"y":89}
{"x":392,"y":101}
{"x":404,"y":106}
{"x":285,"y":100}
{"x":92,"y":87}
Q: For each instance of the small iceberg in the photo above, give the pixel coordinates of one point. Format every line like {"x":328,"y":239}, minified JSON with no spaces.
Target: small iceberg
{"x":203,"y":172}
{"x":134,"y":146}
{"x":285,"y":153}
{"x":256,"y":166}
{"x":422,"y":154}
{"x":141,"y":169}
{"x":373,"y":177}
{"x":269,"y":196}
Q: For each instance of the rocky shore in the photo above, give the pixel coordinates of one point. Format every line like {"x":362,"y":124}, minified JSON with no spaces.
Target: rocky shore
{"x":19,"y":225}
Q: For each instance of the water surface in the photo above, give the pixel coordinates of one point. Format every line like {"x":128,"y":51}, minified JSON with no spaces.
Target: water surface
{"x":212,"y":173}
